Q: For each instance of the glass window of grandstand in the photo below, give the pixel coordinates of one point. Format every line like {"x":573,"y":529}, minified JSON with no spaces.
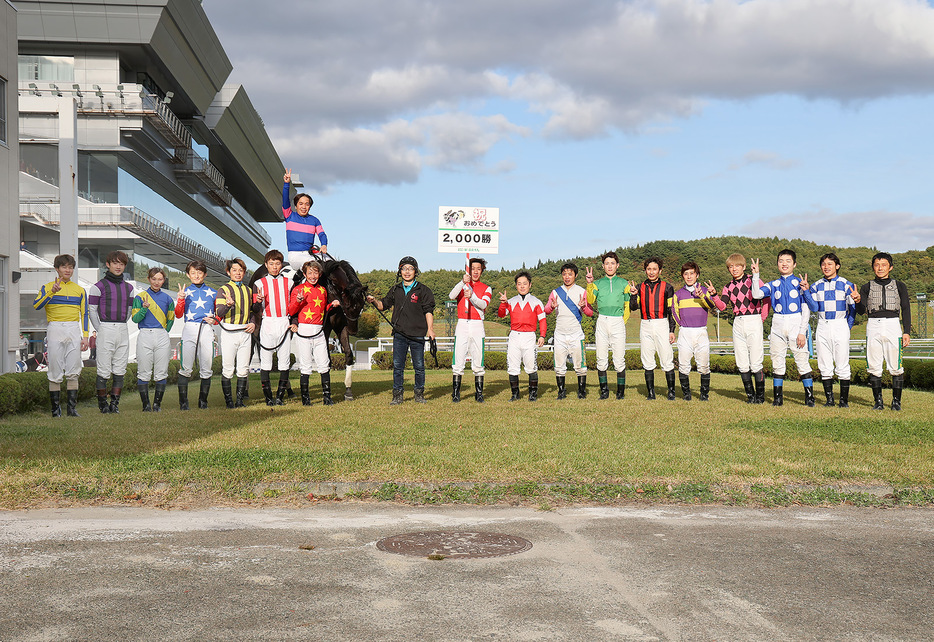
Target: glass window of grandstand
{"x":97,"y":177}
{"x":39,"y":160}
{"x":3,"y":110}
{"x":46,"y":68}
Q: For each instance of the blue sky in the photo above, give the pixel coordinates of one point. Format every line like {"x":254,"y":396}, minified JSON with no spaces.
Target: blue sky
{"x":596,"y":124}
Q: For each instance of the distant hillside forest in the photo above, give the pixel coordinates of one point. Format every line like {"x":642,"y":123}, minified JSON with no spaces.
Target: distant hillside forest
{"x":916,"y":268}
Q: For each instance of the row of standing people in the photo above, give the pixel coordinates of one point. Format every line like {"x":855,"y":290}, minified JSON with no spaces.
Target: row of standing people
{"x":288,"y":312}
{"x":663,"y":310}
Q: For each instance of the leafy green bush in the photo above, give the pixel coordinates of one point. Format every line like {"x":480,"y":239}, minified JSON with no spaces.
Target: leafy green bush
{"x":367,"y":325}
{"x":11,"y":395}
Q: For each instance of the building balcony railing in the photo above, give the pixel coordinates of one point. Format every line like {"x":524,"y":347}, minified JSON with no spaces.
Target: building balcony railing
{"x":204,"y":171}
{"x":132,"y":219}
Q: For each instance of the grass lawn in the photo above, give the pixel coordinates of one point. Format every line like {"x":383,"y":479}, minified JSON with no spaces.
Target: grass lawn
{"x":577,"y":450}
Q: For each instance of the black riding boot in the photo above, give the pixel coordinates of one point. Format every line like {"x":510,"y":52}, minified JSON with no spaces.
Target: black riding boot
{"x":844,"y":393}
{"x":705,"y":387}
{"x":759,"y":378}
{"x":157,"y":397}
{"x":226,"y":385}
{"x":55,"y":396}
{"x":514,"y":386}
{"x":650,"y":384}
{"x":326,"y":389}
{"x":828,"y":392}
{"x":876,"y":384}
{"x":533,"y":386}
{"x":898,"y":382}
{"x":204,"y":392}
{"x":581,"y":386}
{"x":670,"y":380}
{"x":282,"y":389}
{"x":182,"y":392}
{"x":115,"y":394}
{"x":562,"y":391}
{"x":455,"y":389}
{"x":748,"y":387}
{"x":266,"y":386}
{"x":478,"y":389}
{"x":809,"y":396}
{"x":621,"y":385}
{"x":604,"y":384}
{"x":143,"y":389}
{"x":71,"y":403}
{"x":778,"y":391}
{"x":102,"y":404}
{"x":685,"y":381}
{"x":303,"y":386}
{"x":242,"y":383}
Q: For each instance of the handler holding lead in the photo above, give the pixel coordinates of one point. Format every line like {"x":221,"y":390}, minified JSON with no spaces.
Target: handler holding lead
{"x":413,"y":305}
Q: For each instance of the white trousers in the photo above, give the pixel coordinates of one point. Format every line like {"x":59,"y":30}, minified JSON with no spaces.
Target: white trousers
{"x":653,"y":337}
{"x":883,"y":341}
{"x":235,"y":351}
{"x":468,"y":340}
{"x":693,"y":343}
{"x":747,"y":342}
{"x":573,"y":345}
{"x":271,"y":332}
{"x":610,"y":334}
{"x":311,"y":354}
{"x":152,"y":354}
{"x":832,"y":341}
{"x":520,"y":351}
{"x":784,"y":337}
{"x":197,"y":337}
{"x":64,"y":344}
{"x":298,"y":259}
{"x":113,"y":349}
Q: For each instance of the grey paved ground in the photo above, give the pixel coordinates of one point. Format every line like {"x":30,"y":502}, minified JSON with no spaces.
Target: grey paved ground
{"x":667,"y":573}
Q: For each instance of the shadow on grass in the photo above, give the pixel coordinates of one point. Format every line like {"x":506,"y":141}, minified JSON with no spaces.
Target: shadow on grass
{"x":37,"y":436}
{"x":857,"y":430}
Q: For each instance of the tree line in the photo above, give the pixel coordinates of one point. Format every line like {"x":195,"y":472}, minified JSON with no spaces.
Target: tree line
{"x":915,"y":268}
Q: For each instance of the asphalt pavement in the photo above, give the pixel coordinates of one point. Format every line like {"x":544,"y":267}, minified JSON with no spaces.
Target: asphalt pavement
{"x":591,"y":573}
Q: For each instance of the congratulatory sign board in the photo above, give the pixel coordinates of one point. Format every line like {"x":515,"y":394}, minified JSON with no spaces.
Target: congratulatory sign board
{"x":468,"y":229}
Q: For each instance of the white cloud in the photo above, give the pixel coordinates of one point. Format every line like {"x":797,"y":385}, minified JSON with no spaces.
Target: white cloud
{"x":396,"y":152}
{"x":888,"y":231}
{"x":589,"y":66}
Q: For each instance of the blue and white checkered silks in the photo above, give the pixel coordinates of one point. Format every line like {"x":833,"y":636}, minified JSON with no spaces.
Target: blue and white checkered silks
{"x":831,"y":299}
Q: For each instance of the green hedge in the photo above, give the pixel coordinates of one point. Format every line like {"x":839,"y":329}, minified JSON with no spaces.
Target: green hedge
{"x":26,"y":391}
{"x":919,"y":373}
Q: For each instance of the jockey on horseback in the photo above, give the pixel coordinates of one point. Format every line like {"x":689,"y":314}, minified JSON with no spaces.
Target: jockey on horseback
{"x":301,"y":227}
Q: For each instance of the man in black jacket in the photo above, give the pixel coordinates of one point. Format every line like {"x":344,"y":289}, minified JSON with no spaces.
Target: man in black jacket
{"x":413,"y":307}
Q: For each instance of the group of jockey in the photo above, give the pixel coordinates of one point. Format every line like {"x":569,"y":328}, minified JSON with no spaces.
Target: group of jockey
{"x":282,"y":309}
{"x":665,"y":308}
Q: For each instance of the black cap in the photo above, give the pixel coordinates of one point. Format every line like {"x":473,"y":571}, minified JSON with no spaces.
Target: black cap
{"x":408,"y":260}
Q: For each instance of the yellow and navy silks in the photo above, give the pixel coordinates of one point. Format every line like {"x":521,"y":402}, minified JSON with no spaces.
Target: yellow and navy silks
{"x":239,"y":301}
{"x":159,"y":314}
{"x":70,"y":303}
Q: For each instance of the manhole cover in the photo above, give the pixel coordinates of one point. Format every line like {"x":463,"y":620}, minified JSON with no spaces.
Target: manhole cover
{"x":454,"y":544}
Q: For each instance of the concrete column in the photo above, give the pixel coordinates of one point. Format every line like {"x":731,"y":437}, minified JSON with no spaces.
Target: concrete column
{"x":68,"y":175}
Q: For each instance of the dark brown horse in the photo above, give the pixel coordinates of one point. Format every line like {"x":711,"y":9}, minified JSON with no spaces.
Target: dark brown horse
{"x":344,"y":285}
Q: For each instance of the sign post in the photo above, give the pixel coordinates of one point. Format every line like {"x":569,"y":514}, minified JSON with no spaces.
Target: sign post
{"x":468,"y":229}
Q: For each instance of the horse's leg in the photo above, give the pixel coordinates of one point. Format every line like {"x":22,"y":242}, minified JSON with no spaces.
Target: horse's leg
{"x":346,"y":348}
